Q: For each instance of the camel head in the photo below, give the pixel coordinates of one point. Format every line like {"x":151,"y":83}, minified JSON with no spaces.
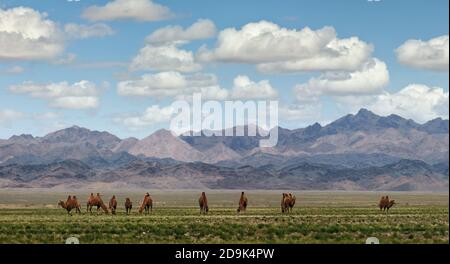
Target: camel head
{"x":61,"y":203}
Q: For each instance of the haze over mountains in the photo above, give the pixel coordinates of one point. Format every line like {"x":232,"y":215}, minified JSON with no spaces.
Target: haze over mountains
{"x":356,"y":152}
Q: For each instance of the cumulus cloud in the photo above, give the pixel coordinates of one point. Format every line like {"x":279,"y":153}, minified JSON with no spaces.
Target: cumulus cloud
{"x":430,"y":55}
{"x":8,"y":116}
{"x":416,"y":101}
{"x":140,"y":10}
{"x":26,"y":34}
{"x":202,"y":29}
{"x":172,"y":84}
{"x":277,"y":49}
{"x":176,"y":85}
{"x":164,"y":58}
{"x":152,"y":115}
{"x":77,"y":31}
{"x":370,"y":79}
{"x":246,"y":89}
{"x":79,"y":95}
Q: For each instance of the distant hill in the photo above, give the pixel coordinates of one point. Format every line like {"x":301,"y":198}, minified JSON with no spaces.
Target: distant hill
{"x":356,"y":152}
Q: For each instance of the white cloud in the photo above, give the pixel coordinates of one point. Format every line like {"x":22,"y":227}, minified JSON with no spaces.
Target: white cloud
{"x":202,"y":29}
{"x":419,"y":102}
{"x":277,"y":49}
{"x":164,"y":58}
{"x":8,"y":116}
{"x":173,"y":84}
{"x":160,"y":85}
{"x":370,"y":79}
{"x":140,"y":10}
{"x":77,"y":31}
{"x":79,"y":95}
{"x":246,"y":89}
{"x":152,"y":115}
{"x":66,"y":60}
{"x":46,"y":116}
{"x":306,"y":94}
{"x":26,"y":34}
{"x":430,"y":55}
{"x":176,"y":85}
{"x":13,"y":70}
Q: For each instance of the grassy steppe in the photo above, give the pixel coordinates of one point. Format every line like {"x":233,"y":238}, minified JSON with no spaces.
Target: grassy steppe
{"x":318,"y":217}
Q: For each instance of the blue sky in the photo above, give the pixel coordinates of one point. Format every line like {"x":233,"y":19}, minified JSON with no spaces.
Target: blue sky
{"x":412,"y":85}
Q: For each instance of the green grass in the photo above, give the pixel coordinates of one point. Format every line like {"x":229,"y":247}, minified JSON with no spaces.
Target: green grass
{"x":319,"y":217}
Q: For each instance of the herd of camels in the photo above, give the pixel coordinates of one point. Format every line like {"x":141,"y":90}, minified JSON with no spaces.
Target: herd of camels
{"x":287,"y":204}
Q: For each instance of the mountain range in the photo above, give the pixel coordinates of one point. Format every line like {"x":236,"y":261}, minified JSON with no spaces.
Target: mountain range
{"x":356,"y":152}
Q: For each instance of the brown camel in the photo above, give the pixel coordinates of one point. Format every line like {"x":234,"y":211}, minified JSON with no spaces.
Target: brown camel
{"x":70,"y":204}
{"x":291,"y":201}
{"x":128,"y":205}
{"x":243,"y":201}
{"x":390,"y":204}
{"x":113,"y":204}
{"x":203,"y":203}
{"x":385,"y":204}
{"x":147,"y":204}
{"x":285,"y":203}
{"x":96,"y":201}
{"x":74,"y":198}
{"x":382,"y":202}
